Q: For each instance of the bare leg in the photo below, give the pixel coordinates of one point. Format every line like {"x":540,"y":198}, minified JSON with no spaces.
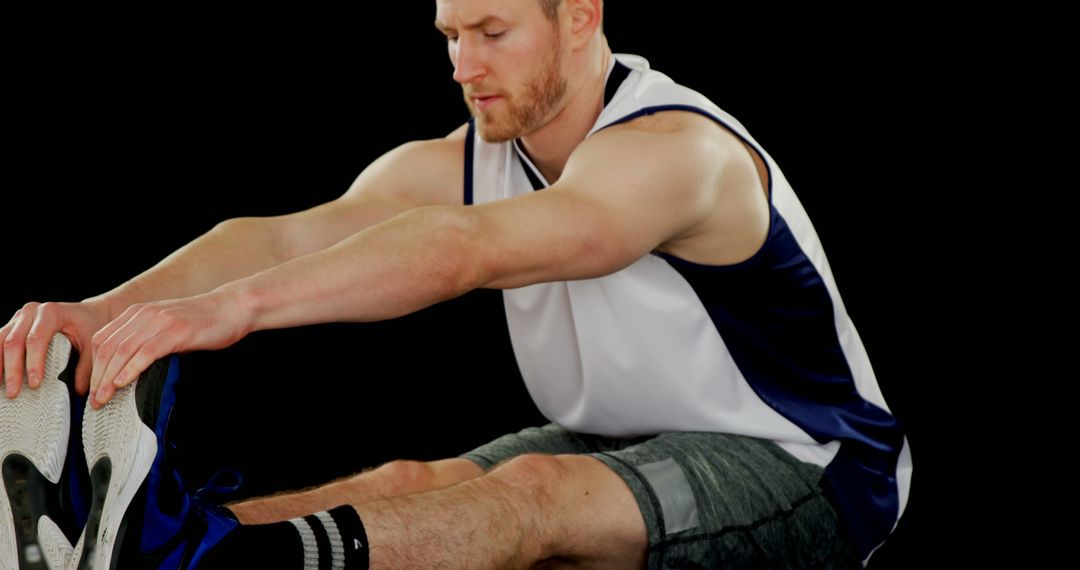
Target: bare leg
{"x":393,"y":479}
{"x":564,"y":510}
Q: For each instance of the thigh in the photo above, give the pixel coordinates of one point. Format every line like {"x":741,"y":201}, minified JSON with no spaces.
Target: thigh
{"x":551,"y":439}
{"x":713,"y":500}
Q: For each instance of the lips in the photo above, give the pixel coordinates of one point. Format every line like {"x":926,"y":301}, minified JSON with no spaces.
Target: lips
{"x":482,"y":102}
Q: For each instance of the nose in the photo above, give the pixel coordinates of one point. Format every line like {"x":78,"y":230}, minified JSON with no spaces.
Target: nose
{"x":468,"y":64}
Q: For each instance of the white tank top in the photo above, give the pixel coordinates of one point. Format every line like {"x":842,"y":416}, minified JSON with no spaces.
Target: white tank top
{"x":762,"y":348}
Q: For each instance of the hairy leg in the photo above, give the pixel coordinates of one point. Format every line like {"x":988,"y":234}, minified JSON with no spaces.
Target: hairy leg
{"x":532,"y":511}
{"x":393,"y":479}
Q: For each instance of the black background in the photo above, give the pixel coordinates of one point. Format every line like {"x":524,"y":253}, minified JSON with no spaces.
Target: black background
{"x":126,"y":141}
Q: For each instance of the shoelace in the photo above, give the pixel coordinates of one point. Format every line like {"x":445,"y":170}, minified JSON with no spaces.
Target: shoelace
{"x":221,"y":484}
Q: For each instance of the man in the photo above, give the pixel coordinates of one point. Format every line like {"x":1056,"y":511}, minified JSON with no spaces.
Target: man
{"x":670,"y":307}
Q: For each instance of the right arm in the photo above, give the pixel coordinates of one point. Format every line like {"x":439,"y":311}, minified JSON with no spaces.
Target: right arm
{"x":240,"y":247}
{"x":415,"y":174}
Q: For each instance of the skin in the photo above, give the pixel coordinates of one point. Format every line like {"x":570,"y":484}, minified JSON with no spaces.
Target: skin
{"x":399,"y":240}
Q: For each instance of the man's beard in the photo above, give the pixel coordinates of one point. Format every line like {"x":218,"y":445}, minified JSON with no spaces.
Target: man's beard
{"x":528,"y":112}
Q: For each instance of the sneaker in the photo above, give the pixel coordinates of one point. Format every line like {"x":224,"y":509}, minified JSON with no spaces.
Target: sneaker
{"x":41,"y":498}
{"x":141,"y":515}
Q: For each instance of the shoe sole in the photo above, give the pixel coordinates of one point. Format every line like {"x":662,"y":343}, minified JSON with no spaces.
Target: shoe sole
{"x":34,"y":430}
{"x":119,"y":450}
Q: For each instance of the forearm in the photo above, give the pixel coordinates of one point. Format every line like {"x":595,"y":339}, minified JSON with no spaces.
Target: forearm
{"x":409,"y":262}
{"x":232,"y":250}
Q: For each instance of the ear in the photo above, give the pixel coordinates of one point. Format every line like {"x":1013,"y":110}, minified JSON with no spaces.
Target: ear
{"x":585,"y":19}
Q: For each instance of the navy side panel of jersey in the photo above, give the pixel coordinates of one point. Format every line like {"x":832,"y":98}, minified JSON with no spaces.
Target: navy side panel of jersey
{"x":776,"y":319}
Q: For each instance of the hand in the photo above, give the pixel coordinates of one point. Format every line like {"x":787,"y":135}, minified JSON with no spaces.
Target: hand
{"x":26,"y":339}
{"x":146,"y":332}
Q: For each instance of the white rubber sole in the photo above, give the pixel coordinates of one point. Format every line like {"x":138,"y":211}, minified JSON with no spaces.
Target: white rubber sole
{"x":36,"y":425}
{"x":55,"y":548}
{"x":115,"y":432}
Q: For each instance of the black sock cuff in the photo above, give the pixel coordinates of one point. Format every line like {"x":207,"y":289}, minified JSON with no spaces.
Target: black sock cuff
{"x":275,"y":545}
{"x":353,"y":536}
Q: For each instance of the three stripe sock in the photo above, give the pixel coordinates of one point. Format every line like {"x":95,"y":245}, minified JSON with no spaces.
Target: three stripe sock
{"x":330,"y":540}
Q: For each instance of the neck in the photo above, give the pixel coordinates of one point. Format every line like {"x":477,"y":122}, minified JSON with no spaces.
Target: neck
{"x":550,"y":146}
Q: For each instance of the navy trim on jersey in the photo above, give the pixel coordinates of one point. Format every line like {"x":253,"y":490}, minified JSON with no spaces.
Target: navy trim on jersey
{"x":781,"y":334}
{"x":792,"y":358}
{"x":618,"y":75}
{"x":469,"y":137}
{"x":534,"y":180}
{"x":768,"y":170}
{"x":700,"y":111}
{"x":659,"y":108}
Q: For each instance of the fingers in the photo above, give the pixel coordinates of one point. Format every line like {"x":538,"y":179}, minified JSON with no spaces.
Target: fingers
{"x":128,"y":373}
{"x":15,"y":348}
{"x":37,"y":343}
{"x":126,"y":347}
{"x":141,"y":360}
{"x":111,"y":365}
{"x":4,"y":330}
{"x":112,"y":343}
{"x":25,"y":340}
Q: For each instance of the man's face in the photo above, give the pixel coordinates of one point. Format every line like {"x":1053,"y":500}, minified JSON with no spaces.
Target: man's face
{"x":507,"y":58}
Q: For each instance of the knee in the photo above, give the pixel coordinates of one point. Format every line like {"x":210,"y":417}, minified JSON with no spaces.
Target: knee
{"x":536,"y":481}
{"x":529,"y":487}
{"x":530,"y":470}
{"x":583,"y":511}
{"x":406,"y":475}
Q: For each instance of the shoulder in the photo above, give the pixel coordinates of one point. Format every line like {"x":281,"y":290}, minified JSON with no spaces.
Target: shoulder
{"x":458,"y":134}
{"x":448,"y":151}
{"x":675,"y":140}
{"x":437,"y":158}
{"x":418,"y":173}
{"x":708,"y":162}
{"x":688,"y":127}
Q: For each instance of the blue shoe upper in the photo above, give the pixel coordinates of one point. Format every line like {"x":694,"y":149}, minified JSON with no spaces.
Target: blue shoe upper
{"x":76,"y":491}
{"x":218,"y":523}
{"x":177,"y":526}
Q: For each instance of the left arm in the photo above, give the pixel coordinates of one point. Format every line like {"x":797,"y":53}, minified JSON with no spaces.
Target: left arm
{"x":623,"y":192}
{"x":619,"y":198}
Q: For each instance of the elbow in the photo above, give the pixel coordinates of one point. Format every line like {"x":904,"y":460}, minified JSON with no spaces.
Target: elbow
{"x":265,"y":233}
{"x":236,"y":224}
{"x":455,"y":262}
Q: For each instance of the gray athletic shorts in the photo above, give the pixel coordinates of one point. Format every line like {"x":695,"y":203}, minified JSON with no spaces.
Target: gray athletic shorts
{"x":709,"y":500}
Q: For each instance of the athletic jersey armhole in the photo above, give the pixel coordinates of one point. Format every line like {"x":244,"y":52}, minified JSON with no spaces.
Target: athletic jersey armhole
{"x":469,"y":143}
{"x":753,"y":259}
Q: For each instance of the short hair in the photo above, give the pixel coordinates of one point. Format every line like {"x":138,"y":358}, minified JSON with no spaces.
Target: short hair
{"x":551,"y":8}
